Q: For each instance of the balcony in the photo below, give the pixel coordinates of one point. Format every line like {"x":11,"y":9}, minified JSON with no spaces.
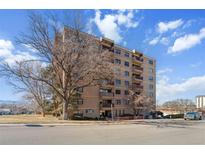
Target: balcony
{"x":106,"y":105}
{"x":107,"y":94}
{"x":108,"y":48}
{"x":135,"y":86}
{"x":137,"y":68}
{"x":139,"y":59}
{"x":107,"y":42}
{"x":137,"y":78}
{"x":106,"y":83}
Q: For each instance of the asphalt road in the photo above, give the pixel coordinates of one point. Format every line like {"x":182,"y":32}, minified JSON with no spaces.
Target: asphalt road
{"x":133,"y":132}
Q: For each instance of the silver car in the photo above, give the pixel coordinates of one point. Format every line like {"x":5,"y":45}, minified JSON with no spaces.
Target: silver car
{"x":193,"y":116}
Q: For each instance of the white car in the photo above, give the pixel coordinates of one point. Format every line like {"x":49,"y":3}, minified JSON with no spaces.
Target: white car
{"x":193,"y":116}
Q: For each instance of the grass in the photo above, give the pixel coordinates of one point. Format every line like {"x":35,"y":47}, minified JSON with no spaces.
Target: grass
{"x":36,"y":119}
{"x":10,"y":119}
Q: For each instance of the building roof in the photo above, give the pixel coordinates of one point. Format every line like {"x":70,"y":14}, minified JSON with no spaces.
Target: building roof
{"x":117,"y":45}
{"x":200,"y":96}
{"x":5,"y":110}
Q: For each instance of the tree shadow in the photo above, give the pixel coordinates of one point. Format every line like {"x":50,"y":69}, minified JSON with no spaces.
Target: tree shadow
{"x":33,"y":125}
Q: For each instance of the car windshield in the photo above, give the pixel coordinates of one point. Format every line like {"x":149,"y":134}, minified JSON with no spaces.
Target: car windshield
{"x":191,"y":113}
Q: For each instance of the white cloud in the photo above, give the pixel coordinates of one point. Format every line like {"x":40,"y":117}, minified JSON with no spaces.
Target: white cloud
{"x":195,"y":65}
{"x":110,"y":24}
{"x":127,"y":19}
{"x":164,"y":41}
{"x":163,"y":27}
{"x":107,"y":26}
{"x":163,"y":71}
{"x":5,"y":48}
{"x":188,"y":23}
{"x":158,"y":39}
{"x":30,"y":48}
{"x":10,"y":55}
{"x":6,"y":44}
{"x":177,"y":34}
{"x":18,"y":57}
{"x":154,"y":41}
{"x":186,"y":42}
{"x":169,"y":91}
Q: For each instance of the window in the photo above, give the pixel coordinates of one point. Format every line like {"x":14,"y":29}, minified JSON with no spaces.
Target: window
{"x":127,"y":83}
{"x":80,"y":89}
{"x":116,"y":113}
{"x":127,"y":73}
{"x":151,"y":94}
{"x":150,"y":62}
{"x":118,"y":101}
{"x":106,"y":90}
{"x":117,"y":51}
{"x":126,"y":101}
{"x":150,"y":70}
{"x":117,"y":71}
{"x":123,"y":112}
{"x":89,"y":111}
{"x":127,"y":63}
{"x":151,"y":78}
{"x":127,"y":54}
{"x":117,"y":82}
{"x":151,"y":87}
{"x":80,"y":101}
{"x":106,"y":82}
{"x":117,"y":61}
{"x":126,"y":92}
{"x":118,"y":92}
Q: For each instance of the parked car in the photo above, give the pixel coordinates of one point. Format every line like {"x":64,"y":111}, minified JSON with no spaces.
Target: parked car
{"x":193,"y":116}
{"x":174,"y":116}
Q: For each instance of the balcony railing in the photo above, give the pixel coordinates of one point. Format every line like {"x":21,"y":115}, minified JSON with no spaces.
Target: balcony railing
{"x":137,"y":58}
{"x":104,"y":104}
{"x":137,"y":87}
{"x":137,"y":78}
{"x":106,"y":82}
{"x":106,"y":94}
{"x":137,"y":68}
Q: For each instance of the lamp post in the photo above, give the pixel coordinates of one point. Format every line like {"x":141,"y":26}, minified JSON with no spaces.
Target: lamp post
{"x":112,"y":105}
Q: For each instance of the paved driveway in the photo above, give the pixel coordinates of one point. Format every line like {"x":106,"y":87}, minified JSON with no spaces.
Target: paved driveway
{"x":132,"y":132}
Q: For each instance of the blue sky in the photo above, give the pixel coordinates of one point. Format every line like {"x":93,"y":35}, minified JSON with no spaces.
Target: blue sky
{"x":175,"y":38}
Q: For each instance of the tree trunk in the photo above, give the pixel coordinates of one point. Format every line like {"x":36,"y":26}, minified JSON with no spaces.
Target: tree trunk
{"x":134,"y":113}
{"x":65,"y":110}
{"x":43,"y":113}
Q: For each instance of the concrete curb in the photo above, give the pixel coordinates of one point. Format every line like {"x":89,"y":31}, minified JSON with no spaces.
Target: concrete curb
{"x":62,"y":124}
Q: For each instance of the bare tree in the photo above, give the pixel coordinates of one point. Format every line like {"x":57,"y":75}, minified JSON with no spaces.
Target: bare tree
{"x":140,"y":103}
{"x":18,"y":76}
{"x":180,"y":105}
{"x":75,"y":58}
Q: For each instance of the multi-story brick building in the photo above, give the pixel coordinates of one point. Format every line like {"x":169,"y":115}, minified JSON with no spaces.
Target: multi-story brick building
{"x":131,"y":69}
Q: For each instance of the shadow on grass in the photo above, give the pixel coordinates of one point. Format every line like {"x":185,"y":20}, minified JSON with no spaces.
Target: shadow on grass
{"x":33,"y":125}
{"x":36,"y":125}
